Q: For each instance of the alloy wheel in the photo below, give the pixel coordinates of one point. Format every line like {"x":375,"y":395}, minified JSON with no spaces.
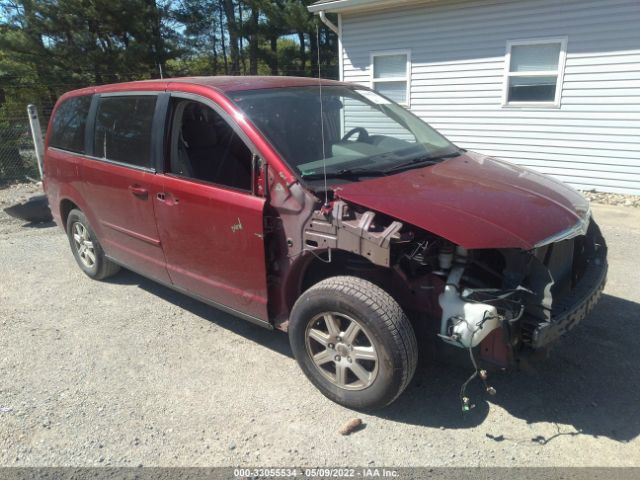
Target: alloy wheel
{"x":342,"y":351}
{"x":83,"y":244}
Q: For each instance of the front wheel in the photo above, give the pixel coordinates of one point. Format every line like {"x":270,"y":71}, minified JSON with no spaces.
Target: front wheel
{"x":353,"y":341}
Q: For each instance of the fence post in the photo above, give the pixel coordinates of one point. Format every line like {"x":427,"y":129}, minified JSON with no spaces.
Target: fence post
{"x":36,"y":135}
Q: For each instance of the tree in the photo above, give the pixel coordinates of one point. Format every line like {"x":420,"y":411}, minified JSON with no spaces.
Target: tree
{"x":203,"y":43}
{"x":232,"y":30}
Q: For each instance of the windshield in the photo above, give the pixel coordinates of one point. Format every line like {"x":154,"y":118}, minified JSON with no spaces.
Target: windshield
{"x":364,"y":133}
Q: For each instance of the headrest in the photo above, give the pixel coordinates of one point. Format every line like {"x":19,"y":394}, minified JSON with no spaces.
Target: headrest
{"x":198,"y":128}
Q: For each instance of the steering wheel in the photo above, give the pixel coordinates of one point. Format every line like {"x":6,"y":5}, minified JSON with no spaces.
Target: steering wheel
{"x":363,"y":135}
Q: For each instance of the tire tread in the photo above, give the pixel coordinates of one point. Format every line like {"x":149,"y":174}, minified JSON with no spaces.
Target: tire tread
{"x":395,"y":321}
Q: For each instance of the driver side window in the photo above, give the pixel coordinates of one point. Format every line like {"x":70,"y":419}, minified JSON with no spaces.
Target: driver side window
{"x":203,"y":146}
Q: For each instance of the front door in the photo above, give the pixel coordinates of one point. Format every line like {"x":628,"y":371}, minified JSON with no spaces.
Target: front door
{"x":210,"y":222}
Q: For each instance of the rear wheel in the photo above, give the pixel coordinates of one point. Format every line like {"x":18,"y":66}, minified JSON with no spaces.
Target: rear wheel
{"x":353,"y":341}
{"x":86,"y":248}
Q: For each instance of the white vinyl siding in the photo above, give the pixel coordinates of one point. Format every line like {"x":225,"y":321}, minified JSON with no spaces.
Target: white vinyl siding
{"x":457,"y":80}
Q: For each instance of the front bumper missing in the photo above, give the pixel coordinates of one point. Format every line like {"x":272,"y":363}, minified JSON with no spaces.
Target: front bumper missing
{"x":572,"y":308}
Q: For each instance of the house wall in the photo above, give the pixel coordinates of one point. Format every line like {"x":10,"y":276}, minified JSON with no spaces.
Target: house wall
{"x":458,"y":49}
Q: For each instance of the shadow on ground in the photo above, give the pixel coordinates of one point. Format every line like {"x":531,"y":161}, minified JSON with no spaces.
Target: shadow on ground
{"x":275,"y":341}
{"x":48,"y":224}
{"x":590,"y":381}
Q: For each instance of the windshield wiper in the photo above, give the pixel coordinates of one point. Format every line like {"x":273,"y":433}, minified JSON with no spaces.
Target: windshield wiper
{"x":344,"y":173}
{"x":422,"y":161}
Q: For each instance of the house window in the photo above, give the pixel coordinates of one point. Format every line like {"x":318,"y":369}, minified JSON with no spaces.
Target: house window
{"x":533,"y":72}
{"x":390,"y":75}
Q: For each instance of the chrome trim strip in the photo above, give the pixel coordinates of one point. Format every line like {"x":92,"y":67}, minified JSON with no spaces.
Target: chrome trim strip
{"x":580,"y":228}
{"x":130,"y":93}
{"x":105,"y":160}
{"x":121,"y":164}
{"x":153,"y":241}
{"x":68,"y":152}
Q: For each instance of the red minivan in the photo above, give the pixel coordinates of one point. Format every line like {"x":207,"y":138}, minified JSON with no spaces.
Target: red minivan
{"x":327,"y":211}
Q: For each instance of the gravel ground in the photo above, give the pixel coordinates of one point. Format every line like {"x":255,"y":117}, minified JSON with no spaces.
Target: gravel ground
{"x":17,"y":193}
{"x":126,"y":372}
{"x":613,"y":199}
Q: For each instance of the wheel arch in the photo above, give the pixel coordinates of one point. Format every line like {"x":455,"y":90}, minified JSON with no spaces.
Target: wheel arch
{"x":66,"y":205}
{"x":70,"y":198}
{"x":313,"y":267}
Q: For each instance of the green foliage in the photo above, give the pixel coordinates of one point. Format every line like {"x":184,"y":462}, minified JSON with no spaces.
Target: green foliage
{"x":48,"y":47}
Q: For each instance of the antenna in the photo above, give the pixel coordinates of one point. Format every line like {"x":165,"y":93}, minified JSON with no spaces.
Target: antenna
{"x":324,"y":154}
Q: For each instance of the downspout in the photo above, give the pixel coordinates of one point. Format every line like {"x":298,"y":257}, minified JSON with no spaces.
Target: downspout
{"x":329,"y":23}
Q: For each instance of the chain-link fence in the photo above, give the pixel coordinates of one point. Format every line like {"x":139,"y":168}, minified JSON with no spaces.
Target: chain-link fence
{"x":17,"y":154}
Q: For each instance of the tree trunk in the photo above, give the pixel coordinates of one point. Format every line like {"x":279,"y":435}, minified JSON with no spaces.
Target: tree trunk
{"x":232,"y":28}
{"x":303,"y":53}
{"x":253,"y":40}
{"x":214,"y":53}
{"x":274,"y":55}
{"x":156,"y":32}
{"x":223,"y":43}
{"x":313,"y":47}
{"x":241,"y":38}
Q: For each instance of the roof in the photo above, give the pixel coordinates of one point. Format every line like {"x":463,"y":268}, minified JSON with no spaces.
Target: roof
{"x":232,"y":84}
{"x":353,"y":5}
{"x":221,"y":83}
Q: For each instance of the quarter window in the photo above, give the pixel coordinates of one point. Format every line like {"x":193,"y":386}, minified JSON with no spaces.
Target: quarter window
{"x":123,"y":129}
{"x":69,"y":124}
{"x":534,"y":70}
{"x":390,"y":75}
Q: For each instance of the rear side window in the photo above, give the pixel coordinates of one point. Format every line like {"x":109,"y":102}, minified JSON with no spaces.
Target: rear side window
{"x":123,"y":129}
{"x":69,"y":124}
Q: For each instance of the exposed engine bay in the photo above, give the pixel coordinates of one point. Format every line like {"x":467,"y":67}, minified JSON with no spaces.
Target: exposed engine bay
{"x":500,"y":304}
{"x":521,"y":292}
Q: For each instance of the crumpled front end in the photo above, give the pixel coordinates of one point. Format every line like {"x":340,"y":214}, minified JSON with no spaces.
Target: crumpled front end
{"x":498,"y":302}
{"x":512,"y":301}
{"x":495,"y":304}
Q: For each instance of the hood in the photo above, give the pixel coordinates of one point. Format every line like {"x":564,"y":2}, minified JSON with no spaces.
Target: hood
{"x":476,"y":201}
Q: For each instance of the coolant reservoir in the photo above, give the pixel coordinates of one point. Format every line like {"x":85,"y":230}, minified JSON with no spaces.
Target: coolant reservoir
{"x":466,"y":318}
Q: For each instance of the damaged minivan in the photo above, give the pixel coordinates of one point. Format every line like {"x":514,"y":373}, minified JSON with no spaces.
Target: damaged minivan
{"x":327,"y":211}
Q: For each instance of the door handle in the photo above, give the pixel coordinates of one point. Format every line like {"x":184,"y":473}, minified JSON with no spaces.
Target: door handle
{"x":138,"y":191}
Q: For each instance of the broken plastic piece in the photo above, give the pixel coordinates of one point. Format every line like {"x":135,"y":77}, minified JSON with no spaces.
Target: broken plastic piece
{"x":466,"y":404}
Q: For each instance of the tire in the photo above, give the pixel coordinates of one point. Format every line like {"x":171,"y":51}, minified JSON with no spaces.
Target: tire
{"x":332,"y":306}
{"x":91,"y":259}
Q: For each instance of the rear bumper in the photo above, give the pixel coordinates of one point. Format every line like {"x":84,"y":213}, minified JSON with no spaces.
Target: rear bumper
{"x":571,"y":309}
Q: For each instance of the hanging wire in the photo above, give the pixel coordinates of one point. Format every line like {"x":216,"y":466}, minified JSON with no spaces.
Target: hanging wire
{"x":324,"y":156}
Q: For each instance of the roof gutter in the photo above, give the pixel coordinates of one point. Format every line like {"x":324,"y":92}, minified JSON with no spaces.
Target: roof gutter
{"x":340,"y":6}
{"x":328,"y":23}
{"x":336,"y":5}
